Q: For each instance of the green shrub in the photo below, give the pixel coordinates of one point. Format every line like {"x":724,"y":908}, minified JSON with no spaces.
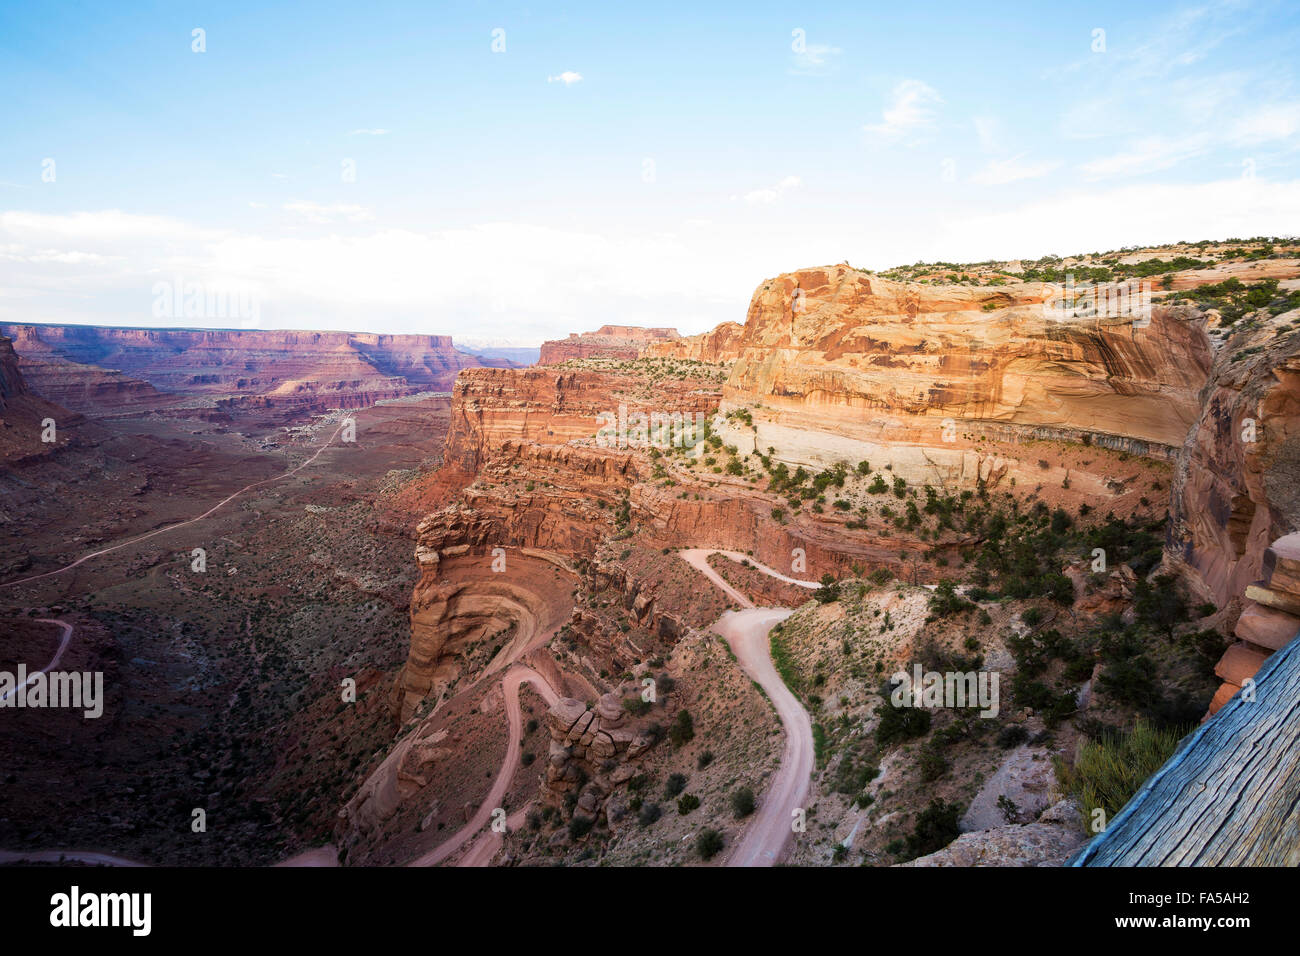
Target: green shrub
{"x":708,"y":844}
{"x":686,"y":803}
{"x":1012,"y":735}
{"x":674,"y":785}
{"x":682,"y":729}
{"x":742,"y":802}
{"x":932,"y":763}
{"x":901,"y":723}
{"x":1108,"y":771}
{"x":936,"y":827}
{"x":829,"y":590}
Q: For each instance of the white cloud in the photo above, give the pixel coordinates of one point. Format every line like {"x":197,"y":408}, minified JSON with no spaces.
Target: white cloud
{"x":333,"y":212}
{"x":910,"y":110}
{"x":72,"y":257}
{"x":1271,"y":122}
{"x":568,"y":78}
{"x":1147,"y":155}
{"x":1256,"y":126}
{"x":999,"y":172}
{"x":988,"y":129}
{"x":389,"y":279}
{"x":101,"y":267}
{"x":773,"y":193}
{"x":1090,"y":220}
{"x":815,"y":59}
{"x":107,"y":224}
{"x":368,"y":132}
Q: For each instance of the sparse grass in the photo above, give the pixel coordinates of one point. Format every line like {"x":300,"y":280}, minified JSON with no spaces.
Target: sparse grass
{"x":1109,"y":771}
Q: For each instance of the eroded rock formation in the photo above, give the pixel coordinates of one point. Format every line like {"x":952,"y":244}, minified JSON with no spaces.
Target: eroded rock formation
{"x":837,"y":365}
{"x":624,"y":342}
{"x":1237,"y":486}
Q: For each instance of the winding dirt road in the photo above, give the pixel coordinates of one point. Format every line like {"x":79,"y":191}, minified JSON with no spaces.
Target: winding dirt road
{"x":765,"y":838}
{"x":698,"y":558}
{"x":486,"y":847}
{"x":746,"y":632}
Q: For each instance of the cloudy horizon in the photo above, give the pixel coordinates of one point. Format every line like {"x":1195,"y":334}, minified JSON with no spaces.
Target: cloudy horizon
{"x":504,"y":180}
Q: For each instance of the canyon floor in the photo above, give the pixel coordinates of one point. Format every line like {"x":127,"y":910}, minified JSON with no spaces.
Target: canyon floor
{"x":222,"y":684}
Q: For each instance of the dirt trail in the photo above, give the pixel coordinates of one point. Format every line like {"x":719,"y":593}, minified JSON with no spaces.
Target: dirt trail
{"x":698,"y":558}
{"x":746,"y":632}
{"x":58,"y":654}
{"x":180,"y":524}
{"x":765,"y":838}
{"x":481,"y":853}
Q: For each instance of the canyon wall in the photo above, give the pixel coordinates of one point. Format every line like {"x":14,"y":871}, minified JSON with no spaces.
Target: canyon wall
{"x":838,"y":365}
{"x":23,"y":415}
{"x":552,"y":406}
{"x":953,"y":386}
{"x":623,"y":342}
{"x":115,"y":370}
{"x":523,"y":470}
{"x":1237,"y":486}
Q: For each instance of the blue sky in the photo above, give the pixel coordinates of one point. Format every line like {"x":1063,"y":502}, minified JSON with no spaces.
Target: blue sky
{"x":640,"y":164}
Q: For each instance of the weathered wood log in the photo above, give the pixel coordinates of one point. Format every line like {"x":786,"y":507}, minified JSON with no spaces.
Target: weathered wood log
{"x":1230,"y":795}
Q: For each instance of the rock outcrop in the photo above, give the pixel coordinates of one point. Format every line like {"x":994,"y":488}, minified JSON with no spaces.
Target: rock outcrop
{"x":24,"y":415}
{"x":623,"y":342}
{"x":838,"y":365}
{"x":588,"y":753}
{"x":89,"y":389}
{"x":471,"y":600}
{"x":1048,"y":841}
{"x":1237,"y":485}
{"x":540,"y":405}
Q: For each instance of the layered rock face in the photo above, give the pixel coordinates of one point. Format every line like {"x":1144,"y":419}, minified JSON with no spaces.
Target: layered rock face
{"x":720,"y":345}
{"x":23,"y":414}
{"x":505,"y":601}
{"x":1237,"y":487}
{"x":624,"y":342}
{"x":83,"y":388}
{"x":838,"y":365}
{"x":548,"y":406}
{"x":1236,"y":497}
{"x":589,"y":753}
{"x":112,"y":369}
{"x":541,"y":486}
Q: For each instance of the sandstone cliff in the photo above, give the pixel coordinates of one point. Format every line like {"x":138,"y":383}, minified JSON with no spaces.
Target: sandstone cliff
{"x":623,"y":342}
{"x":1237,"y":486}
{"x":838,"y":365}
